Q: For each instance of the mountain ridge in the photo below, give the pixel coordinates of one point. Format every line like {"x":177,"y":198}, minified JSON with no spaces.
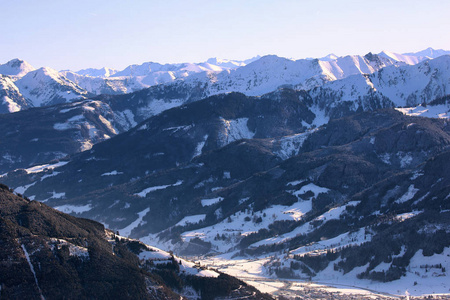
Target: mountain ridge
{"x":411,"y":86}
{"x":65,"y":86}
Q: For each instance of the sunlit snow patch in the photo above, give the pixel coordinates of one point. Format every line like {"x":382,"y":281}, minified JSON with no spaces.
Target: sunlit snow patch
{"x":126,"y":118}
{"x":191,"y":220}
{"x":12,"y":106}
{"x":243,"y":223}
{"x":405,"y":216}
{"x":157,"y":106}
{"x":74,"y":250}
{"x":296,"y":182}
{"x":72,"y":123}
{"x":144,"y":193}
{"x":68,"y":209}
{"x":342,"y":240}
{"x":234,"y":130}
{"x":50,"y":175}
{"x":290,"y":145}
{"x":56,"y":195}
{"x":435,"y":111}
{"x":40,"y":168}
{"x":310,"y":187}
{"x":297,"y":210}
{"x":178,"y":128}
{"x":408,"y":195}
{"x":22,"y":189}
{"x":332,"y":214}
{"x":424,"y":275}
{"x":209,"y":202}
{"x":199,"y":147}
{"x":127,"y":230}
{"x":112,"y":173}
{"x":321,"y":117}
{"x":154,"y":254}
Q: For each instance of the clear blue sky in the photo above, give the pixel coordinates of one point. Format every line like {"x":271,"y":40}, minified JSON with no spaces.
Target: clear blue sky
{"x":79,"y":34}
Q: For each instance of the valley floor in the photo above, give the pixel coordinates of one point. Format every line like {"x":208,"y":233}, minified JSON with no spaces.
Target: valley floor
{"x":253,"y":272}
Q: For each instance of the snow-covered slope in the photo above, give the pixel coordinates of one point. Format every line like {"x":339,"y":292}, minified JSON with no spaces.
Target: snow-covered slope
{"x":342,"y":67}
{"x":46,"y":86}
{"x":336,"y":86}
{"x":150,"y":73}
{"x":108,"y":85}
{"x":391,"y":86}
{"x":441,"y":111}
{"x":271,"y":72}
{"x":257,"y":78}
{"x":16,"y":67}
{"x":253,"y":77}
{"x":11,"y":100}
{"x":375,"y":84}
{"x":408,"y":59}
{"x":43,"y":134}
{"x":413,"y":58}
{"x":417,"y":84}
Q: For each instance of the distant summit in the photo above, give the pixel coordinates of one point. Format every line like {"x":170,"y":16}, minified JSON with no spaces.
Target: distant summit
{"x":329,"y":57}
{"x":429,"y":52}
{"x":412,"y":58}
{"x":16,"y":67}
{"x":231,"y":64}
{"x":103,"y":72}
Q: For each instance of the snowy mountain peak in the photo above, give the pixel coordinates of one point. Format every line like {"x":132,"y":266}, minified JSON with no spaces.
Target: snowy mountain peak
{"x":46,"y":71}
{"x":273,"y":58}
{"x":180,"y":70}
{"x":45,"y":75}
{"x":269,"y":60}
{"x":225,"y":63}
{"x":413,"y":58}
{"x":46,"y":86}
{"x":329,"y":57}
{"x":229,"y":63}
{"x":16,"y":67}
{"x":103,"y":72}
{"x":393,"y":85}
{"x":140,"y":70}
{"x":429,"y":52}
{"x":408,"y":59}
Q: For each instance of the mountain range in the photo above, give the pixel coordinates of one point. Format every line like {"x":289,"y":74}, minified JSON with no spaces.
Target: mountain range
{"x":317,"y":169}
{"x":45,"y":86}
{"x":391,"y":86}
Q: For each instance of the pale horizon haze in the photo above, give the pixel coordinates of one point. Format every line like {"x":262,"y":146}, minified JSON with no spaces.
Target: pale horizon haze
{"x":93,"y":34}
